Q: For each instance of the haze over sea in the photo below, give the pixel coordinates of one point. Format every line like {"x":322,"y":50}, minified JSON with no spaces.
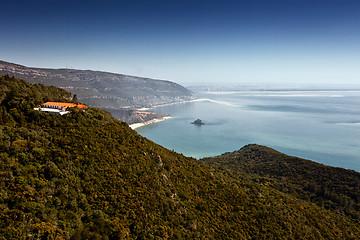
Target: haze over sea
{"x":323,"y":126}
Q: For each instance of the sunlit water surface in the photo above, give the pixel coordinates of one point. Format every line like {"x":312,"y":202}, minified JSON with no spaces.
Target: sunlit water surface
{"x":323,"y":126}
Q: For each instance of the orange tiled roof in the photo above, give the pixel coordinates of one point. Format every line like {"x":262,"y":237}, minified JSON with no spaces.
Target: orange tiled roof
{"x":81,"y":106}
{"x":65,"y":105}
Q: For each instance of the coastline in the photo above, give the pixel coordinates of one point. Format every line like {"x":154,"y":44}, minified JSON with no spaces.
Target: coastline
{"x":169,"y":104}
{"x":155,"y":120}
{"x":189,"y":101}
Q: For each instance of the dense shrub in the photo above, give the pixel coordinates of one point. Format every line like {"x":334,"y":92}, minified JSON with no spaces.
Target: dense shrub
{"x":86,"y":175}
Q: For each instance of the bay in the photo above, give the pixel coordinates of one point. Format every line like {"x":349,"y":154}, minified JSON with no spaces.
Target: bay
{"x":323,"y":126}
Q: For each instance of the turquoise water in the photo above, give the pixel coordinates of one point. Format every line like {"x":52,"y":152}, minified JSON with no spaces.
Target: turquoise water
{"x":323,"y":126}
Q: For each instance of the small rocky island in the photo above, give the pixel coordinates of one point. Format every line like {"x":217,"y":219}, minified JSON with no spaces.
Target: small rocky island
{"x":198,"y":122}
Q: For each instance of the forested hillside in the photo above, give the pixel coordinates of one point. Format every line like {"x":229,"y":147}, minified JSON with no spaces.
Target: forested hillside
{"x":333,"y":188}
{"x":86,"y":175}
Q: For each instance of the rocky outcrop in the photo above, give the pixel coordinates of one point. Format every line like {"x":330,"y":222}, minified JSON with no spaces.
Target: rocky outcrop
{"x":198,"y":122}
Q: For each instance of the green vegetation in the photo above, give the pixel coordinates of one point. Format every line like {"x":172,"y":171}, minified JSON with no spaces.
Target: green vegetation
{"x":86,"y":175}
{"x":336,"y":189}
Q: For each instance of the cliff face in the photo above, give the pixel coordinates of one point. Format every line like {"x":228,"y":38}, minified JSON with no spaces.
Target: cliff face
{"x":86,"y":175}
{"x":103,"y":89}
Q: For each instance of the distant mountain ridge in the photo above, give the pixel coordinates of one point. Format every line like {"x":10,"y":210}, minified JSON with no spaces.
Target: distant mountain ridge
{"x":103,"y":89}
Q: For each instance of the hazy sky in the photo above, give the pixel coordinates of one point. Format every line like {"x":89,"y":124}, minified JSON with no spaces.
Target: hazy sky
{"x":189,"y":41}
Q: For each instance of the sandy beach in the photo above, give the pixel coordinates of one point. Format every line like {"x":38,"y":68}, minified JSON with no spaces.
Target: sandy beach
{"x":137,"y":125}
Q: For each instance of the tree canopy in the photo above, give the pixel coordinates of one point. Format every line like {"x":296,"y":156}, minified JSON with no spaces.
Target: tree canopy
{"x":86,"y":175}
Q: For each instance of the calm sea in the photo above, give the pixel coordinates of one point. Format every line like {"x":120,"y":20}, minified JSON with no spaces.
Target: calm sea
{"x":323,"y":126}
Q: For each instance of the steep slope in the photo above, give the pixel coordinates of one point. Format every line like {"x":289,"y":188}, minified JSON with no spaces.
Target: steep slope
{"x":334,"y":188}
{"x":86,"y":175}
{"x":103,"y":89}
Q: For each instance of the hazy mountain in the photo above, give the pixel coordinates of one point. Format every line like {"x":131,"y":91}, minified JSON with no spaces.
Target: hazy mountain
{"x":86,"y":175}
{"x":103,"y":89}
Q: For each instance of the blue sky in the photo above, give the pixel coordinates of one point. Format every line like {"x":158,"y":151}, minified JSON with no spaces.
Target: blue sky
{"x":190,"y":42}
